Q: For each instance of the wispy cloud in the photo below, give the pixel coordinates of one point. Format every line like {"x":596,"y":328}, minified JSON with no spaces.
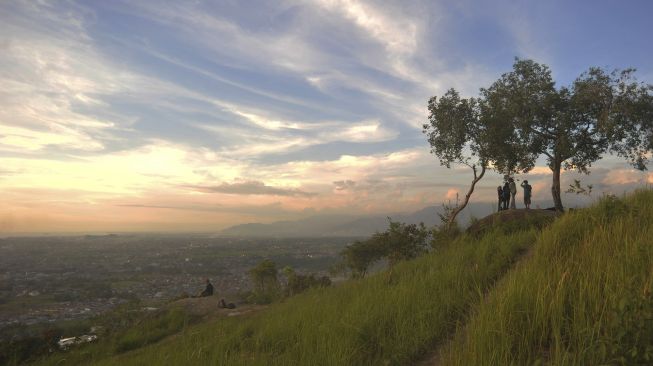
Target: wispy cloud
{"x":132,"y":114}
{"x":252,"y":188}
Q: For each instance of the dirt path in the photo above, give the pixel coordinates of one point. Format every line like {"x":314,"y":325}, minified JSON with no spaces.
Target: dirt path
{"x":433,"y":358}
{"x":207,"y":307}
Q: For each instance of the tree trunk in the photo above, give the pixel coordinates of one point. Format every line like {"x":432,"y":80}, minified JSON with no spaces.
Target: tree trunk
{"x":455,"y":212}
{"x":555,"y":187}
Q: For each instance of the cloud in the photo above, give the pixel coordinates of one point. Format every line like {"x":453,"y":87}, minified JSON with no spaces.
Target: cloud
{"x":342,"y":185}
{"x":625,"y":176}
{"x":541,"y":170}
{"x":54,"y":82}
{"x":366,"y":131}
{"x":133,"y":111}
{"x":252,"y":188}
{"x":18,"y":139}
{"x":452,"y":194}
{"x":396,"y":34}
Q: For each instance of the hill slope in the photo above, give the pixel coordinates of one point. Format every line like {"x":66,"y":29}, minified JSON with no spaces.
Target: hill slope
{"x":582,"y":297}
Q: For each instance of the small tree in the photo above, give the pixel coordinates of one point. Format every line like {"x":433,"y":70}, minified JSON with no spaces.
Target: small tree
{"x":298,"y":283}
{"x":361,"y":254}
{"x":399,"y":242}
{"x":266,"y":283}
{"x":402,"y":241}
{"x":465,"y":132}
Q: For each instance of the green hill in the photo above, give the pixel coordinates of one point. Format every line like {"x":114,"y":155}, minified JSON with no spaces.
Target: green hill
{"x":576,"y":292}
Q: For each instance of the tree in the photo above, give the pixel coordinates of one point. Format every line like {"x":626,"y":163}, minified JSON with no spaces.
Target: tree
{"x":298,"y":283}
{"x":572,"y":126}
{"x":266,"y":283}
{"x":402,"y":241}
{"x":359,"y":255}
{"x":457,"y":137}
{"x":465,"y":132}
{"x":399,"y":242}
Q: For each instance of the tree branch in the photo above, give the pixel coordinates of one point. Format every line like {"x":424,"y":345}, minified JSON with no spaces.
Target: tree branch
{"x":548,"y":155}
{"x":458,"y":209}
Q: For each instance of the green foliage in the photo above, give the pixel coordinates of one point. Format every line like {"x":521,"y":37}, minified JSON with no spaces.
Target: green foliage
{"x":457,"y":136}
{"x":20,"y":343}
{"x":298,"y":283}
{"x":399,"y":242}
{"x":628,"y":334}
{"x":126,"y":328}
{"x":583,"y":298}
{"x":20,"y":351}
{"x":266,"y":282}
{"x":359,"y":255}
{"x":572,"y":126}
{"x":151,"y":330}
{"x":444,"y":234}
{"x":402,"y":241}
{"x":522,"y":116}
{"x":453,"y":126}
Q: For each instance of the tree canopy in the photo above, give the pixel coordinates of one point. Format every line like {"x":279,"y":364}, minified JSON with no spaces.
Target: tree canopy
{"x":399,"y":242}
{"x":266,"y":282}
{"x":465,"y":131}
{"x":523,"y":116}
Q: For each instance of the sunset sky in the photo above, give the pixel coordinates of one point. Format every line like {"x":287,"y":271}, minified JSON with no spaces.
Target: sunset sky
{"x":194,"y":115}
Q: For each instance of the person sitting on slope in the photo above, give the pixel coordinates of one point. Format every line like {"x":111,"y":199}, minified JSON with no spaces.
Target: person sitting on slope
{"x":208,"y":291}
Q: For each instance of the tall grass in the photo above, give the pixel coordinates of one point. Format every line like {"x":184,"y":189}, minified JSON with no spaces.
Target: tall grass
{"x":384,"y":319}
{"x":583,"y":298}
{"x":143,"y":329}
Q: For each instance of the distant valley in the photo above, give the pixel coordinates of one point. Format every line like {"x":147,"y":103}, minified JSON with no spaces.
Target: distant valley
{"x":350,"y":225}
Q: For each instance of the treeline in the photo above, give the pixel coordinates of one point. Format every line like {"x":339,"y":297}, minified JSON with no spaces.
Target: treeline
{"x":267,"y":286}
{"x":399,"y":242}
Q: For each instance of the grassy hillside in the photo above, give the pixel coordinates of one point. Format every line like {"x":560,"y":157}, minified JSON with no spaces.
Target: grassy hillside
{"x":583,"y":298}
{"x":377,"y":320}
{"x":582,"y":295}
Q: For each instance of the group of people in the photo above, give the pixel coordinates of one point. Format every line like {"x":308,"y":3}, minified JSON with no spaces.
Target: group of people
{"x":507,"y":193}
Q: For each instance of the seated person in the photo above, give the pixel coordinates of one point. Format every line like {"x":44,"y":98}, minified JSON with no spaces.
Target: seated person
{"x":208,"y":291}
{"x":224,"y":305}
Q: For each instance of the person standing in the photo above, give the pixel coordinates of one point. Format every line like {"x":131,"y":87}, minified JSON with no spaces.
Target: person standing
{"x":500,"y":196}
{"x":527,"y":193}
{"x":513,"y":192}
{"x":506,"y":195}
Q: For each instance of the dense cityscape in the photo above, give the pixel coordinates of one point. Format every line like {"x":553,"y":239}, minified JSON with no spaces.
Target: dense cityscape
{"x":50,"y":279}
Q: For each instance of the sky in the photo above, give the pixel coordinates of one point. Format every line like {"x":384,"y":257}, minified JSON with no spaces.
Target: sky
{"x":199,"y":115}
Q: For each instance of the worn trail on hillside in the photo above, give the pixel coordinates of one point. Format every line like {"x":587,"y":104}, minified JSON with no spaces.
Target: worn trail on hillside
{"x":433,"y":358}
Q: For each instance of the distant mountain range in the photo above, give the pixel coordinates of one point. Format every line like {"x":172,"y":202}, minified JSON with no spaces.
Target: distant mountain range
{"x":349,"y":225}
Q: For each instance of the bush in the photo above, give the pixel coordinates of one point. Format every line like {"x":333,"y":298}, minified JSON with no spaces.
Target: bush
{"x":266,"y":283}
{"x":298,"y":283}
{"x":443,"y":235}
{"x":151,"y":330}
{"x":399,"y":242}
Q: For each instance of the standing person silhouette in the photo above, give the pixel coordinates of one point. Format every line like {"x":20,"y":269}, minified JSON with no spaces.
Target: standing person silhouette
{"x":513,"y":192}
{"x":500,"y":196}
{"x":527,"y":193}
{"x":506,"y":195}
